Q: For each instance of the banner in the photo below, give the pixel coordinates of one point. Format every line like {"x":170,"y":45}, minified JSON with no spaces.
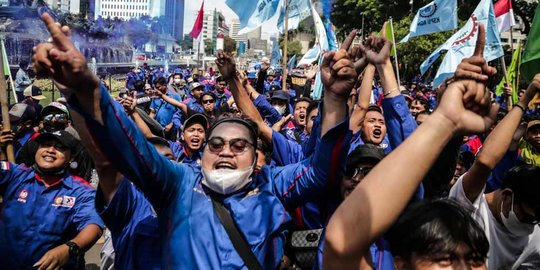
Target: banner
{"x":253,"y":13}
{"x":512,"y":73}
{"x":461,"y":44}
{"x":437,"y":16}
{"x":311,"y":56}
{"x":298,"y":11}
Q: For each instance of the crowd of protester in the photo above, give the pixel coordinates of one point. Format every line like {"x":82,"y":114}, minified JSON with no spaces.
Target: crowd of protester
{"x":215,"y":169}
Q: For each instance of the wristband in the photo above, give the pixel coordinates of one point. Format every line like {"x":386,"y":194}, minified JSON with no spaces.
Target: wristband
{"x":519,"y":106}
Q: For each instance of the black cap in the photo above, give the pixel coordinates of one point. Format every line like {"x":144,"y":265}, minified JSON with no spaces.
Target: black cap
{"x":196,"y":118}
{"x":62,"y":136}
{"x":365,"y":152}
{"x":21,"y":112}
{"x":282,"y":95}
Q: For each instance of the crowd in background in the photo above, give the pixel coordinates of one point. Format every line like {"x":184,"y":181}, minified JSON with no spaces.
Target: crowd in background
{"x":217,"y":169}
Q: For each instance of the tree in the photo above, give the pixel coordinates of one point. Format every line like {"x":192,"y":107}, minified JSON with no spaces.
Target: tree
{"x":209,"y":46}
{"x":293,"y":47}
{"x":186,"y":43}
{"x":526,"y":10}
{"x":347,"y":14}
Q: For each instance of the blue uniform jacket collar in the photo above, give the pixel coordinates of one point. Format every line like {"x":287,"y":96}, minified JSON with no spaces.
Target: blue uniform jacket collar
{"x":66,"y":180}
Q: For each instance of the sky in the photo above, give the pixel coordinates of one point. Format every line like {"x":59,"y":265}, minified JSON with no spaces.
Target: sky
{"x":192,"y":7}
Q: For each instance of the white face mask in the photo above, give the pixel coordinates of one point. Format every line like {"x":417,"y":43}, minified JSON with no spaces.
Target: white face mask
{"x":279,"y":109}
{"x":513,"y":224}
{"x":176,"y":81}
{"x":226,"y":181}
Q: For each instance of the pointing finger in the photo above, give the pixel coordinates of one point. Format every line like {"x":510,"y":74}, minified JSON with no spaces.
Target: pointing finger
{"x":348,"y":41}
{"x":59,"y":38}
{"x":480,"y":41}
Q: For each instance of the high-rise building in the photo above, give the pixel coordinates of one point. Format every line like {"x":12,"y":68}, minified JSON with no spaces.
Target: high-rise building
{"x":124,"y":9}
{"x":172,"y":10}
{"x":213,"y":23}
{"x":174,"y":16}
{"x":235,"y":28}
{"x":71,"y":6}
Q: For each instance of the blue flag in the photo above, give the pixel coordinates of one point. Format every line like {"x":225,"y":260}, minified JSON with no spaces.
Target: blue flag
{"x":437,"y":16}
{"x":253,"y":13}
{"x":461,"y":44}
{"x":292,"y":63}
{"x":298,"y":11}
{"x":311,"y":56}
{"x":276,"y":54}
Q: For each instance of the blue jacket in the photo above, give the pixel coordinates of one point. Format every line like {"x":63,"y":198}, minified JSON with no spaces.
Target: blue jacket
{"x":36,"y":219}
{"x":134,"y":228}
{"x":179,"y":152}
{"x":194,"y":238}
{"x":266,"y":110}
{"x":165,"y":111}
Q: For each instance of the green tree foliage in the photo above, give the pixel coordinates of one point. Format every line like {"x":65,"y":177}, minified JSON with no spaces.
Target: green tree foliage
{"x":186,"y":43}
{"x":209,"y":46}
{"x":293,"y":47}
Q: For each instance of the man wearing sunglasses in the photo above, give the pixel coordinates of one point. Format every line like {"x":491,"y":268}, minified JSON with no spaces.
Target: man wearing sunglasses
{"x":184,"y":197}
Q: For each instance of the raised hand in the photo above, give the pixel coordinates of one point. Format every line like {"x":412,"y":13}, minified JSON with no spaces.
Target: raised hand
{"x":6,"y":136}
{"x":130,"y":103}
{"x":359,"y":58}
{"x":337,"y":71}
{"x":467,"y":103}
{"x":376,"y":50}
{"x":61,"y":60}
{"x":476,"y":67}
{"x":312,"y":72}
{"x":532,"y":90}
{"x":226,"y":65}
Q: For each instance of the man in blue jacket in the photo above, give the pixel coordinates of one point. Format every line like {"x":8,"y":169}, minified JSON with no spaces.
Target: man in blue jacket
{"x":48,"y":218}
{"x":182,"y":196}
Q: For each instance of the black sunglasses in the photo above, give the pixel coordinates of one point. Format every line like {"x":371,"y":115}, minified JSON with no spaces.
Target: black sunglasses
{"x":208,"y":101}
{"x":356,"y":172}
{"x":237,"y":146}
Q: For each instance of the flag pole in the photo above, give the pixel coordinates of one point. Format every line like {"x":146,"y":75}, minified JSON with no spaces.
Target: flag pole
{"x":5,"y":111}
{"x":395,"y":51}
{"x":4,"y":56}
{"x":285,"y":41}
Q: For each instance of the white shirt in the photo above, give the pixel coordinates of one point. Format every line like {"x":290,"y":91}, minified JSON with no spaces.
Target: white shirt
{"x":504,"y":248}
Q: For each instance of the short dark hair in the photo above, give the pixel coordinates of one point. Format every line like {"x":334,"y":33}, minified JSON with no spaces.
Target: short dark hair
{"x":303,"y":99}
{"x":219,"y":79}
{"x":422,"y":101}
{"x":433,"y":227}
{"x":209,"y":94}
{"x":524,"y":181}
{"x":158,"y":141}
{"x":161,"y":80}
{"x":266,"y":148}
{"x":374,"y":108}
{"x":312,"y":106}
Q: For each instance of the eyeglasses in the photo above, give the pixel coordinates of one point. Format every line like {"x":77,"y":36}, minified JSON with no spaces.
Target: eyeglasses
{"x":357,"y":172}
{"x":237,"y":146}
{"x":208,"y":101}
{"x":58,"y":116}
